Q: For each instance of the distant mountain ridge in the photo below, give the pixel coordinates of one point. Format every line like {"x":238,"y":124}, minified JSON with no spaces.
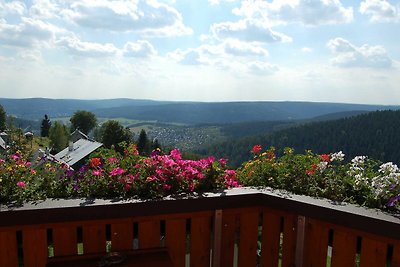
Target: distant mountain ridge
{"x":181,"y":112}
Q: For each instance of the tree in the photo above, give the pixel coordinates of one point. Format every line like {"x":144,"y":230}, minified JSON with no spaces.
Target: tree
{"x":59,"y":136}
{"x":83,"y":120}
{"x":3,"y":118}
{"x":113,"y":133}
{"x":45,"y":127}
{"x":143,"y":143}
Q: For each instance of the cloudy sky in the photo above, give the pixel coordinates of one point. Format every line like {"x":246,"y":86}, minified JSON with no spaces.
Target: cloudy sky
{"x":202,"y":50}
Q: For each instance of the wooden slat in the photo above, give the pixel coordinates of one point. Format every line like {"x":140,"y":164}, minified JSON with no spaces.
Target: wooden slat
{"x":344,"y":248}
{"x":94,"y":238}
{"x":175,"y":241}
{"x":149,"y":234}
{"x":396,"y":255}
{"x":316,"y":243}
{"x":248,"y":238}
{"x":8,"y":249}
{"x":200,"y":237}
{"x":270,"y":239}
{"x":122,"y":235}
{"x":289,"y":240}
{"x":373,"y":253}
{"x":227,"y":239}
{"x":65,"y":240}
{"x":35,"y":247}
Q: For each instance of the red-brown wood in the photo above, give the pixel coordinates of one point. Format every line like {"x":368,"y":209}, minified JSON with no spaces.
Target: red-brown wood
{"x":65,"y":240}
{"x":396,"y":255}
{"x":270,"y":238}
{"x":373,"y":253}
{"x":316,"y":243}
{"x":344,"y":248}
{"x":289,"y":240}
{"x":248,"y":238}
{"x":8,"y":248}
{"x":34,"y":241}
{"x":227,"y":239}
{"x":149,"y":234}
{"x":94,"y":238}
{"x":122,"y":235}
{"x":200,"y":236}
{"x":175,"y":241}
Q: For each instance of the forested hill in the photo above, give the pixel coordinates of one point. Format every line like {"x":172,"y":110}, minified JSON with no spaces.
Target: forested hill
{"x":374,"y":134}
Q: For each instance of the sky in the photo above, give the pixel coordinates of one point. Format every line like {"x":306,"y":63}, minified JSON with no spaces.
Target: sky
{"x":202,"y":50}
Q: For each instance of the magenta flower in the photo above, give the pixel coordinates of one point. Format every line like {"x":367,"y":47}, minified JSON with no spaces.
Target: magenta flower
{"x":97,"y":173}
{"x":16,"y":156}
{"x":117,"y":171}
{"x":222,"y":162}
{"x":112,"y":159}
{"x":21,"y":184}
{"x":176,"y":154}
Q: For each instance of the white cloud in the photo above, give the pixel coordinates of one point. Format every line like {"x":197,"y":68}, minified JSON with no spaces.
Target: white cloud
{"x":86,"y":49}
{"x":262,"y":68}
{"x":29,"y":33}
{"x":306,"y":50}
{"x":365,"y":56}
{"x":141,"y":48}
{"x":145,"y":16}
{"x":307,"y":12}
{"x":13,"y":7}
{"x":44,"y":9}
{"x":249,"y":31}
{"x":217,"y":2}
{"x":380,"y":11}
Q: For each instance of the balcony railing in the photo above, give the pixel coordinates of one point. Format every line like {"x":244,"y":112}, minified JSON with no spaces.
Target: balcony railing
{"x":239,"y":227}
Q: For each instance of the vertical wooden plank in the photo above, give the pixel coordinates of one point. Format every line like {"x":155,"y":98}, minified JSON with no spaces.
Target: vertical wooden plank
{"x":122,"y":235}
{"x":175,"y":240}
{"x":289,"y":240}
{"x":344,"y":248}
{"x":228,"y":239}
{"x":270,"y":239}
{"x":396,"y":255}
{"x":94,"y":238}
{"x":248,"y":238}
{"x":200,"y":237}
{"x":8,"y":248}
{"x":373,"y":253}
{"x":65,"y":240}
{"x":35,"y":247}
{"x":149,"y":234}
{"x":316,"y":243}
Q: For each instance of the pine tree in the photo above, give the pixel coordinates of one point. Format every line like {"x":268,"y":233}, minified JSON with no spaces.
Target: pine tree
{"x":58,"y":135}
{"x":3,"y":118}
{"x":143,"y":143}
{"x":45,"y":127}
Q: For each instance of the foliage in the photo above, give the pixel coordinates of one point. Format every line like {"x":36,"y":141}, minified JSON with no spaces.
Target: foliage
{"x":362,"y":180}
{"x":113,"y":134}
{"x":45,"y":126}
{"x":3,"y":118}
{"x":110,"y":174}
{"x":83,"y":120}
{"x":143,"y":143}
{"x":58,"y":135}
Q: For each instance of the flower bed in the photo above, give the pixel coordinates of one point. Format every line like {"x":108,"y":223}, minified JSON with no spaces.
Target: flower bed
{"x":110,"y":175}
{"x":362,"y":180}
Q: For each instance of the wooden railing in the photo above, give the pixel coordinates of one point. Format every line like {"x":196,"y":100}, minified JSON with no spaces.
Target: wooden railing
{"x":240,"y":227}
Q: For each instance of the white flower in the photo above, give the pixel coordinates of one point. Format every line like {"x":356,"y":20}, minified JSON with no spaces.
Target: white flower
{"x":388,"y":167}
{"x":338,"y":156}
{"x":322,"y":166}
{"x":359,"y":160}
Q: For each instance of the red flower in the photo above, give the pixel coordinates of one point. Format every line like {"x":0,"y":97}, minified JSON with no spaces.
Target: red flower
{"x":256,"y":149}
{"x":94,"y":162}
{"x":325,"y":157}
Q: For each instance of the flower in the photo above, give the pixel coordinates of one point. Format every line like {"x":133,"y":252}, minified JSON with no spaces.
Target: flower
{"x":21,"y":184}
{"x":97,"y":172}
{"x":337,"y":156}
{"x":94,"y":162}
{"x":117,"y":171}
{"x":325,"y":157}
{"x":256,"y":149}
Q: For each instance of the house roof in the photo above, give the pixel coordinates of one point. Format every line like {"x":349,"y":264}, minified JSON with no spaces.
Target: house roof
{"x":77,"y":134}
{"x":81,"y":149}
{"x":3,"y":144}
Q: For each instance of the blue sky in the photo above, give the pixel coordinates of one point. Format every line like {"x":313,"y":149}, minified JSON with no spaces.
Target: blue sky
{"x":202,"y":50}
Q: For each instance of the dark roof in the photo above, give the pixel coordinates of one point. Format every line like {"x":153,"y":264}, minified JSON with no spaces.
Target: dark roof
{"x":80,"y":150}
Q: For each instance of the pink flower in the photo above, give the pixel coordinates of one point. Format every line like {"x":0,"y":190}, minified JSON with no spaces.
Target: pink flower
{"x":97,"y":173}
{"x":167,"y":187}
{"x":112,"y":159}
{"x":21,"y":184}
{"x":176,"y":154}
{"x":117,"y":171}
{"x":33,"y":172}
{"x":222,"y":162}
{"x":16,"y":156}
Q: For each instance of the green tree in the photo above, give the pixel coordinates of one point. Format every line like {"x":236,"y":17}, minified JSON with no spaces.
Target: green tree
{"x":59,"y":136}
{"x":45,"y":127}
{"x":83,"y":120}
{"x":143,"y":143}
{"x":3,"y":118}
{"x":113,"y":133}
